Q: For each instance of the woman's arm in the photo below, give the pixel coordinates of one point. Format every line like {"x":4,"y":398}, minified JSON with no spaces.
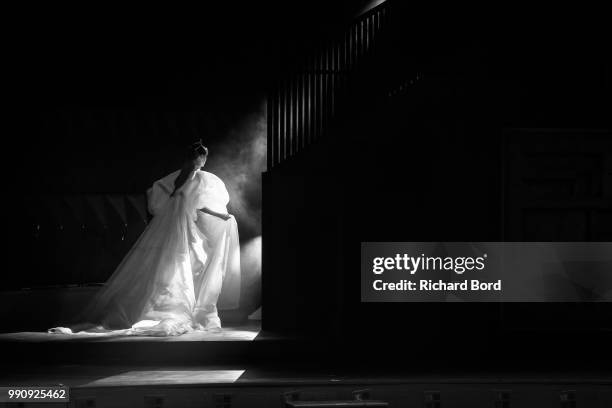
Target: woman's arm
{"x":181,"y":179}
{"x":216,"y":214}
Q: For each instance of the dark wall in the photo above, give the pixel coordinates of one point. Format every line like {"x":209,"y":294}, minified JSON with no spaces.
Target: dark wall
{"x":101,"y":105}
{"x":102,"y":100}
{"x":416,"y":155}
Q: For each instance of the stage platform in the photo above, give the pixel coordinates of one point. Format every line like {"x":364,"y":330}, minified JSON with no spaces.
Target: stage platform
{"x":246,"y":332}
{"x":233,"y":344}
{"x":94,"y":376}
{"x":246,"y":344}
{"x":243,"y":366}
{"x":241,"y":386}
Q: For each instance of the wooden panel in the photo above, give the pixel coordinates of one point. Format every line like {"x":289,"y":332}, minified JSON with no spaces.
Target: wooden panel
{"x":556,"y":185}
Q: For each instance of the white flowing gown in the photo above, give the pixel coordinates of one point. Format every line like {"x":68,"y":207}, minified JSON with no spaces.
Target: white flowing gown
{"x":184,"y":266}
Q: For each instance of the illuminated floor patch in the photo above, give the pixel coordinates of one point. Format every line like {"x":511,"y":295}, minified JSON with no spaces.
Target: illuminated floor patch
{"x":167,"y":377}
{"x":245,"y":333}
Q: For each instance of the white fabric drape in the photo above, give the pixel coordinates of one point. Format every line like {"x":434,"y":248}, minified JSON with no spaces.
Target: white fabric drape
{"x":184,"y":266}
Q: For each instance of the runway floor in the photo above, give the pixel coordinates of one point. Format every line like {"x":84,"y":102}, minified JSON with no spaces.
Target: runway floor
{"x":246,"y":332}
{"x":94,"y":376}
{"x":252,"y":368}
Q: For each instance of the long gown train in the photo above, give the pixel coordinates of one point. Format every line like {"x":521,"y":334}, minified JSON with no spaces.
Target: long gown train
{"x":184,"y":266}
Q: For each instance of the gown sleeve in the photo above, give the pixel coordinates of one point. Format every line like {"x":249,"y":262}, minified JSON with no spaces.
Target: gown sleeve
{"x":159,"y":193}
{"x":221,"y":283}
{"x":212,"y":193}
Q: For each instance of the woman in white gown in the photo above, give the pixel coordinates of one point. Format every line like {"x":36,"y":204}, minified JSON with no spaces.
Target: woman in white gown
{"x":183,"y":267}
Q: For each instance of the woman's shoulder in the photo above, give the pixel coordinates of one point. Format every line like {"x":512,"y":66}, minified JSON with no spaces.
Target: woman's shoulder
{"x":208,"y":176}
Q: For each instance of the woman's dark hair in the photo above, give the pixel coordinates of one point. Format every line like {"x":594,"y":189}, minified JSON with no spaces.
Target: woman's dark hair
{"x":195,"y":150}
{"x":192,"y":152}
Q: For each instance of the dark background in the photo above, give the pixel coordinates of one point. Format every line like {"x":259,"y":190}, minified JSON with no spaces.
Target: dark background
{"x":122,"y":89}
{"x":101,"y":101}
{"x":461,"y":125}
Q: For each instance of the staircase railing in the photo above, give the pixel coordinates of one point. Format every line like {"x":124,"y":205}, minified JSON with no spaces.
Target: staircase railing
{"x":302,"y":103}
